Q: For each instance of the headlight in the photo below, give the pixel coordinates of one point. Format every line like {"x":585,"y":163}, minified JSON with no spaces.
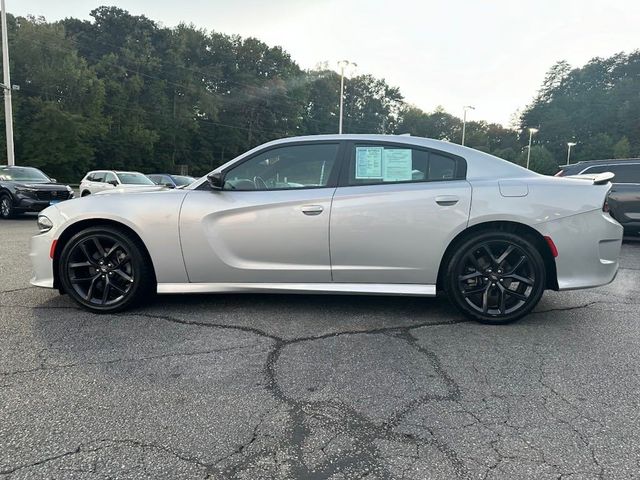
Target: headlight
{"x":71,"y":192}
{"x":25,"y":190}
{"x":44,"y":224}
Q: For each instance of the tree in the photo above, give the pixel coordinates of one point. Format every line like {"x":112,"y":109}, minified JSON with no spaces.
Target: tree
{"x":58,"y":112}
{"x":622,"y":149}
{"x":541,"y":160}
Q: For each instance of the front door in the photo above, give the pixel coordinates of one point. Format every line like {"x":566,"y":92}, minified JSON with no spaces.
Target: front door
{"x":394,"y":213}
{"x":269,"y":223}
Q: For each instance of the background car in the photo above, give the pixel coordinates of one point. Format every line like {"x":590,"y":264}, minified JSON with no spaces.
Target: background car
{"x":367,"y":214}
{"x":27,"y":189}
{"x":101,"y":180}
{"x":624,"y":198}
{"x":171,"y":181}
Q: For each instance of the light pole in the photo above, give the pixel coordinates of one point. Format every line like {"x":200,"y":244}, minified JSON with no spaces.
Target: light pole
{"x":531,"y":132}
{"x":569,"y":145}
{"x":8,"y":114}
{"x":464,"y":121}
{"x":343,"y":64}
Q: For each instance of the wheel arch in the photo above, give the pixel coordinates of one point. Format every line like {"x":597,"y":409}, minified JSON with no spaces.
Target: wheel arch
{"x":504,"y":226}
{"x":74,"y":228}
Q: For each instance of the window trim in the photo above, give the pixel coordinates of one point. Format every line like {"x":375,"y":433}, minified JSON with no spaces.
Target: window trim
{"x":461,"y":163}
{"x":332,"y":181}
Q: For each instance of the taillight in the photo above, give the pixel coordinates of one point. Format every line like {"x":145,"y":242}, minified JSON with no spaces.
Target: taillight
{"x":605,"y":205}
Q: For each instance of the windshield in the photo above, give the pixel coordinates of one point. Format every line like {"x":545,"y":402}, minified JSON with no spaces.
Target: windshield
{"x":181,"y":180}
{"x":23,"y":174}
{"x":134,"y":179}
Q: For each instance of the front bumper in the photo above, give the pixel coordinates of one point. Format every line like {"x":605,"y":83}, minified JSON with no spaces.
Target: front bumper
{"x":28,"y":204}
{"x":588,"y":248}
{"x":40,"y":252}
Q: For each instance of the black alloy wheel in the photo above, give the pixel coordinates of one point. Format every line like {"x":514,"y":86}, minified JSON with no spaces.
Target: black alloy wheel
{"x":104,"y":270}
{"x":496,"y":277}
{"x":6,"y":206}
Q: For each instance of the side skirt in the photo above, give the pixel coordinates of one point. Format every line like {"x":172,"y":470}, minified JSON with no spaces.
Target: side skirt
{"x":328,"y":288}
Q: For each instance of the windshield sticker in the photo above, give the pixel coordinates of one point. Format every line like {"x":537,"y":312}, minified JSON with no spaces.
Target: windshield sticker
{"x":368,"y":162}
{"x":397,"y":165}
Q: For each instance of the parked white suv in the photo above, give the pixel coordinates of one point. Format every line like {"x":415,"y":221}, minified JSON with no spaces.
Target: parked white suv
{"x":100,"y":180}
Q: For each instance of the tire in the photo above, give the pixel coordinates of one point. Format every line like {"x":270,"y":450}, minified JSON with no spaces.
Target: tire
{"x":495,"y":277}
{"x":85,"y":193}
{"x":6,"y":207}
{"x":105,"y":270}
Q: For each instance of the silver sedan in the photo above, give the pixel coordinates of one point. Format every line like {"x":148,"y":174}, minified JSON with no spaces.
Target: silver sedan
{"x":356,"y":214}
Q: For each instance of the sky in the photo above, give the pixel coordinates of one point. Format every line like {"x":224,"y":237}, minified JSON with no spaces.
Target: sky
{"x":491,"y":54}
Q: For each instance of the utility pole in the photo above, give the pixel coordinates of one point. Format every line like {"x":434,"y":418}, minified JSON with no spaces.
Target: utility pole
{"x":8,"y":114}
{"x":343,"y":64}
{"x":464,"y":121}
{"x":569,"y":145}
{"x":531,"y":132}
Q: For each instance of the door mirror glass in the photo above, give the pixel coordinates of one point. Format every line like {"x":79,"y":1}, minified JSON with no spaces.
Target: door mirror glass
{"x":216,"y":181}
{"x":169,"y":185}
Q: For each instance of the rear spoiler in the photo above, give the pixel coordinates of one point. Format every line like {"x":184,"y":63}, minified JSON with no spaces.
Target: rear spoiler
{"x":596,"y":178}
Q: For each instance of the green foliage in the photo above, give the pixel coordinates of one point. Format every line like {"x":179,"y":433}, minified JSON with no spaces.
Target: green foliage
{"x":541,"y":160}
{"x":592,"y":105}
{"x":622,"y":149}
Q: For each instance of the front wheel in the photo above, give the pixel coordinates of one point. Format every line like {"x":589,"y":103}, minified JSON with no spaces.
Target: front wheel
{"x":6,"y":207}
{"x":495,"y":277}
{"x":105,"y":270}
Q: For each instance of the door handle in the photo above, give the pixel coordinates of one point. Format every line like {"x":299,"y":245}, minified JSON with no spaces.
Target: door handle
{"x":446,"y":200}
{"x":312,"y":209}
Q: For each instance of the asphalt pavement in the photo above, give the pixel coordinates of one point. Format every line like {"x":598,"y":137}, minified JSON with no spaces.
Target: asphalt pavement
{"x":316,"y":387}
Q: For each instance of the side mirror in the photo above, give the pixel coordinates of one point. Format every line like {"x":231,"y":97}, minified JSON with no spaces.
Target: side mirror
{"x":53,"y":180}
{"x":216,"y":181}
{"x":113,"y":182}
{"x":169,"y":185}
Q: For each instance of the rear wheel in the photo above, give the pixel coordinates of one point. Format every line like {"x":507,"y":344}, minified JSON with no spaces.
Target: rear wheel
{"x":495,"y":277}
{"x":85,"y":193}
{"x":6,"y":207}
{"x":105,"y":270}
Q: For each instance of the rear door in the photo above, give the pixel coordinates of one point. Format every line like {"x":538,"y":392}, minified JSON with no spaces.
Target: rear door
{"x":97,"y":182}
{"x":394,"y":213}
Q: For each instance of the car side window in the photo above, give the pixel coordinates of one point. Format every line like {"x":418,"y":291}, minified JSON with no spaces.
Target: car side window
{"x":98,"y":177}
{"x":284,"y":168}
{"x":626,"y":173}
{"x":376,"y":164}
{"x":623,"y":173}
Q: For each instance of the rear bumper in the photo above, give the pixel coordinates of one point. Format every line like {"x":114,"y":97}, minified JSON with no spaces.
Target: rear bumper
{"x":588,"y":248}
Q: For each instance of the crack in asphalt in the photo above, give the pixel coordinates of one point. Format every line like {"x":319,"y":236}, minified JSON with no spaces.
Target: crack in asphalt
{"x":56,"y":367}
{"x":363,"y":456}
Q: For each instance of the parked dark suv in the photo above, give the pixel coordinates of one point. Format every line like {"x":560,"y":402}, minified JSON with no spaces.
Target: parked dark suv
{"x":624,"y":200}
{"x":27,"y":189}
